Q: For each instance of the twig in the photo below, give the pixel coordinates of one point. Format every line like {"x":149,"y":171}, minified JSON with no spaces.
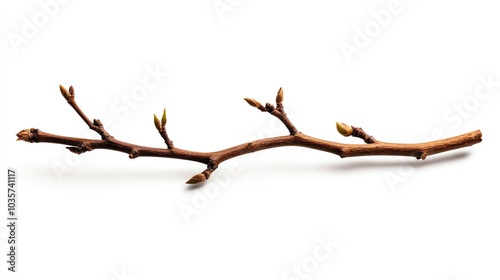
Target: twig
{"x":371,"y":147}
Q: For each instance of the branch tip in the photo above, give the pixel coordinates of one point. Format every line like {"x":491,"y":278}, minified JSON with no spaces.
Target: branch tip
{"x":28,"y":135}
{"x":65,"y":93}
{"x":164,"y":118}
{"x":198,"y":178}
{"x":23,"y":135}
{"x":279,"y":96}
{"x":157,"y":122}
{"x":344,"y":129}
{"x":252,"y":102}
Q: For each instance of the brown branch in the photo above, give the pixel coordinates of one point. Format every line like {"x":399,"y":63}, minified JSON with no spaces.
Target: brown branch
{"x":371,"y":147}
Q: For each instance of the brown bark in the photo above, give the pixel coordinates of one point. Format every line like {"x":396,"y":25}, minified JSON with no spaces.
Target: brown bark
{"x":371,"y":147}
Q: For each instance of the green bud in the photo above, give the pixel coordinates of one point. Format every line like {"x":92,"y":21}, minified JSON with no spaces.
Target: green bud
{"x":164,"y":117}
{"x":157,"y":123}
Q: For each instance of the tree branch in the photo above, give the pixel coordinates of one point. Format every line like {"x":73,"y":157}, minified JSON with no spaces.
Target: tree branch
{"x":371,"y":147}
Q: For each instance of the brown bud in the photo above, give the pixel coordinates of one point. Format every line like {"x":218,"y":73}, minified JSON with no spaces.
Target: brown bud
{"x":198,"y":178}
{"x":23,"y":135}
{"x":252,"y":102}
{"x":65,"y":93}
{"x":132,"y":154}
{"x":344,"y":129}
{"x":279,"y":96}
{"x":77,"y":150}
{"x":164,"y":117}
{"x":71,"y":90}
{"x":157,"y":122}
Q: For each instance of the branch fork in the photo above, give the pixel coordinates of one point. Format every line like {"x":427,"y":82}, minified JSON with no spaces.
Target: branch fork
{"x":278,"y":111}
{"x":371,"y":146}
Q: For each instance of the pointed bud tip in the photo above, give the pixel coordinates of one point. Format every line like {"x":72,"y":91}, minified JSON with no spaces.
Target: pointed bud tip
{"x":164,"y":117}
{"x":198,"y":178}
{"x":23,"y":135}
{"x":279,"y":96}
{"x":344,"y":129}
{"x":65,"y":93}
{"x":157,"y":122}
{"x":252,"y":102}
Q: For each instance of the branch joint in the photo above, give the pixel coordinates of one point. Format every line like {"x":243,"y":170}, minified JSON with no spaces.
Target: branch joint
{"x":133,"y":154}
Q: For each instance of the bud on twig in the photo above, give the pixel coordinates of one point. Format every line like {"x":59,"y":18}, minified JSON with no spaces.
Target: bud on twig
{"x":23,"y":135}
{"x":252,"y":102}
{"x":344,"y":129}
{"x":65,"y":93}
{"x":198,"y":178}
{"x":164,"y":118}
{"x":72,"y":91}
{"x":157,"y":123}
{"x":279,"y":96}
{"x":77,"y":150}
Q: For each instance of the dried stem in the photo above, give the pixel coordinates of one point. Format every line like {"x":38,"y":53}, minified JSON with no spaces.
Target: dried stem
{"x":371,"y":147}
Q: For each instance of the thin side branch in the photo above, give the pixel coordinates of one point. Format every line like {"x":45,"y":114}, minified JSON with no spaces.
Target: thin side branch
{"x":372,"y":147}
{"x":96,"y":125}
{"x":278,"y":112}
{"x":162,"y":130}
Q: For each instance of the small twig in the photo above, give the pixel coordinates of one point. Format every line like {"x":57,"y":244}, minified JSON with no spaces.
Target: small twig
{"x":162,"y":130}
{"x":278,"y":112}
{"x":213,"y":159}
{"x":96,"y":125}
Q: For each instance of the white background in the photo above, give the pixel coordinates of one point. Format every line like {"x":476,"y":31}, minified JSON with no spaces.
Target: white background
{"x":103,"y":216}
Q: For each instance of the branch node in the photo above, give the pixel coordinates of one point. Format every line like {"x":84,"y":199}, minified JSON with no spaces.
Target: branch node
{"x":170,"y":143}
{"x":98,"y":127}
{"x":360,"y":133}
{"x":98,"y":123}
{"x":133,"y":154}
{"x":423,"y":156}
{"x":78,"y":149}
{"x":278,"y":112}
{"x":34,"y":131}
{"x":270,"y":108}
{"x":212,"y":165}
